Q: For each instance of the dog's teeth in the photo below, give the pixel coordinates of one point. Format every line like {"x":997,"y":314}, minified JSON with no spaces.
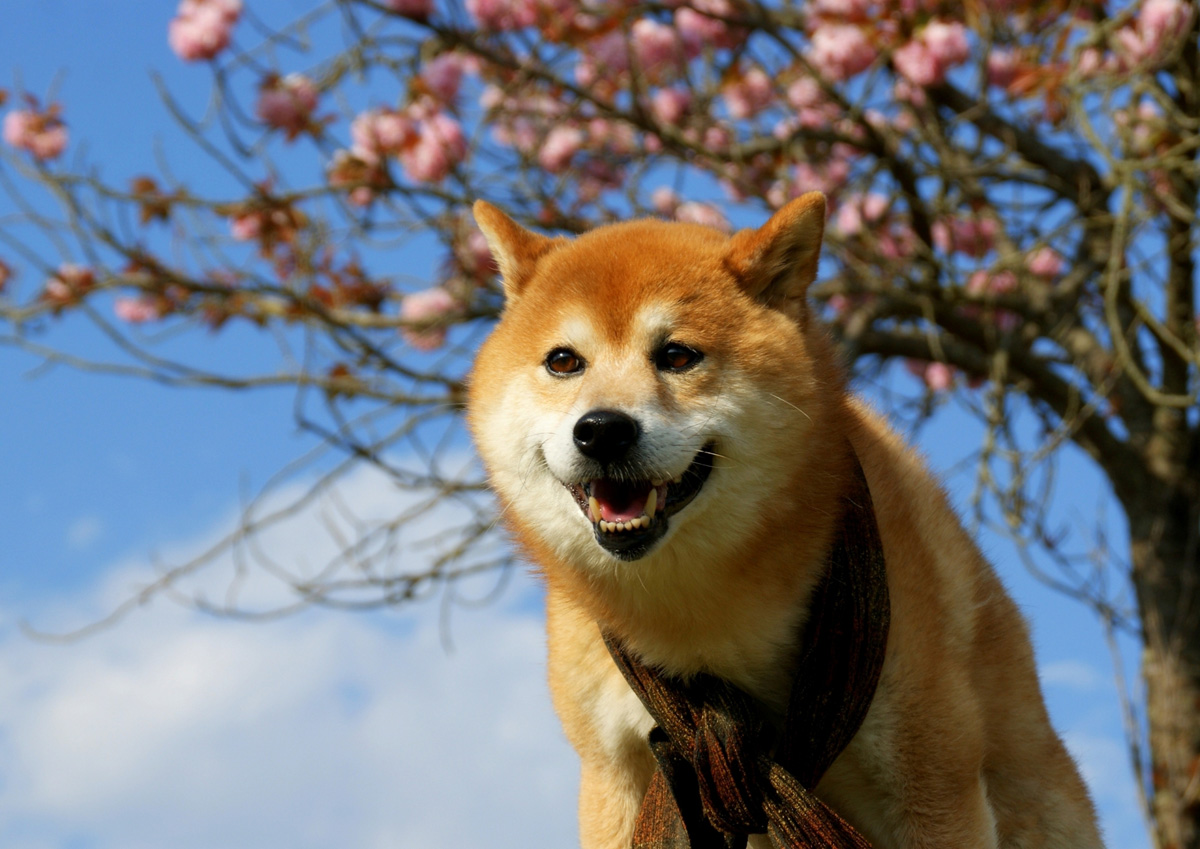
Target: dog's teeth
{"x":608,"y":527}
{"x":594,"y":512}
{"x":657,"y":483}
{"x":652,"y":501}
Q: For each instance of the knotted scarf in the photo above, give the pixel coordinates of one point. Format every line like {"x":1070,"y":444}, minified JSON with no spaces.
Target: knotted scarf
{"x":719,"y":778}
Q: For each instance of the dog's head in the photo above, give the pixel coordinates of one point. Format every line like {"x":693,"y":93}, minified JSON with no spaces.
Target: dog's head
{"x":648,"y":382}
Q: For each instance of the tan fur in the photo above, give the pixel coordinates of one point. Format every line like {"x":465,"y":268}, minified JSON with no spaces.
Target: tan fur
{"x":957,"y":749}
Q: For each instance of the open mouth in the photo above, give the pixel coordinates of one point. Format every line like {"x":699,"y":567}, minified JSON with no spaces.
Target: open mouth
{"x":629,"y":516}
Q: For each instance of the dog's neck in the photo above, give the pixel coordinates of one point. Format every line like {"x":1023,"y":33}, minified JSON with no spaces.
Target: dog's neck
{"x":729,"y":604}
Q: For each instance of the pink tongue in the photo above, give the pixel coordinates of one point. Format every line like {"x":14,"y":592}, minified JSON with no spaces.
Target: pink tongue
{"x":620,"y":502}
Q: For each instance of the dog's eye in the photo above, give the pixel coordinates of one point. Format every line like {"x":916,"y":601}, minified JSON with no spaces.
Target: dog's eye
{"x":563,"y":361}
{"x":676,"y":357}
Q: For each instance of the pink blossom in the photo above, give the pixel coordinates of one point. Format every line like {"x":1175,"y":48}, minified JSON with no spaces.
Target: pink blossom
{"x":419,"y":9}
{"x":1155,"y":29}
{"x":42,"y":133}
{"x":381,"y":132}
{"x":786,"y":127}
{"x":839,"y":304}
{"x":947,"y":42}
{"x":362,"y":177}
{"x":1002,"y":63}
{"x":971,"y":236}
{"x":805,"y":93}
{"x":842,"y":8}
{"x":701,"y":213}
{"x":287,"y":104}
{"x":983,"y":283}
{"x":361,"y":196}
{"x":938,"y":377}
{"x":669,"y":105}
{"x":596,"y":176}
{"x":607,"y":55}
{"x":939,"y":47}
{"x":1045,"y":262}
{"x":1161,"y":18}
{"x":1090,"y":62}
{"x":245,"y":228}
{"x":614,"y":136}
{"x":664,"y":200}
{"x":906,"y":91}
{"x":897,"y":242}
{"x":916,"y":62}
{"x":748,"y":95}
{"x":68,"y":283}
{"x":137,"y":310}
{"x":813,"y":111}
{"x":429,"y":311}
{"x":562,"y":143}
{"x":1144,"y":125}
{"x":503,"y":14}
{"x":443,"y":74}
{"x":439,"y":147}
{"x":717,"y":137}
{"x":476,"y":255}
{"x":828,"y":176}
{"x":700,"y":31}
{"x":492,"y":97}
{"x":231,"y":10}
{"x":858,"y":211}
{"x":655,"y":45}
{"x":840,"y":51}
{"x":874,"y":206}
{"x":202,"y":28}
{"x":519,"y":132}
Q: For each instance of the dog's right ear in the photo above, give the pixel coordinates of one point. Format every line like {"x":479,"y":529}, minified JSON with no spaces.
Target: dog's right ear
{"x":515,"y":249}
{"x":776,"y":263}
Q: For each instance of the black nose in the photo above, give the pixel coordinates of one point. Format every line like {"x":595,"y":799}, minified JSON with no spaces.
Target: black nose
{"x":605,"y":435}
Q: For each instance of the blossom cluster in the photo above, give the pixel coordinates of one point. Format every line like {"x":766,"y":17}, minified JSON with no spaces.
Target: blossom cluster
{"x":202,"y":28}
{"x":620,"y":88}
{"x":287,"y":103}
{"x":41,"y":132}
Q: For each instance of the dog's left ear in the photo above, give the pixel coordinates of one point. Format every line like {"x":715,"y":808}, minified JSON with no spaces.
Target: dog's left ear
{"x":515,"y":249}
{"x":776,"y":263}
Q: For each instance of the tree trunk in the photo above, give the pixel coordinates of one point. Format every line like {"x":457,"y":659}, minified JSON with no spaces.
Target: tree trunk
{"x":1165,"y":537}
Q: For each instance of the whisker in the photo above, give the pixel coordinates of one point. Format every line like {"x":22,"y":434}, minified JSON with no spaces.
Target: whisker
{"x":790,"y":404}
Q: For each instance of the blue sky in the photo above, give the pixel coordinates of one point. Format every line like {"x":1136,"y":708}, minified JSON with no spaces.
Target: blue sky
{"x":178,"y":730}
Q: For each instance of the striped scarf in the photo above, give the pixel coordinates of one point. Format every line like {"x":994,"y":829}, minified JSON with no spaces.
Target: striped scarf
{"x":719,"y":778}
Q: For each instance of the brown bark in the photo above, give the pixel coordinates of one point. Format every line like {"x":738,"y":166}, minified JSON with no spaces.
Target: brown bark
{"x":1165,"y":540}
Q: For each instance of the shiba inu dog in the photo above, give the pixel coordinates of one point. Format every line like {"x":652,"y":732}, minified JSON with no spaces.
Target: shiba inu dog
{"x":666,"y":428}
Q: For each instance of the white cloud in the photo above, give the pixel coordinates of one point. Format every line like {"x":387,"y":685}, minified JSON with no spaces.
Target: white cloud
{"x":1104,"y":762}
{"x":1073,"y":675}
{"x":325,"y":729}
{"x":328,"y":728}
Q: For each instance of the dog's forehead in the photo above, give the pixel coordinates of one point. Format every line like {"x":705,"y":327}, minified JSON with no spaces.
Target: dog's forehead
{"x":651,"y":321}
{"x":629,"y":281}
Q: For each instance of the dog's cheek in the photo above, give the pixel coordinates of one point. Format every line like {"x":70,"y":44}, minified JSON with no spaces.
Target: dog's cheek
{"x":502,"y":425}
{"x":558,"y":445}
